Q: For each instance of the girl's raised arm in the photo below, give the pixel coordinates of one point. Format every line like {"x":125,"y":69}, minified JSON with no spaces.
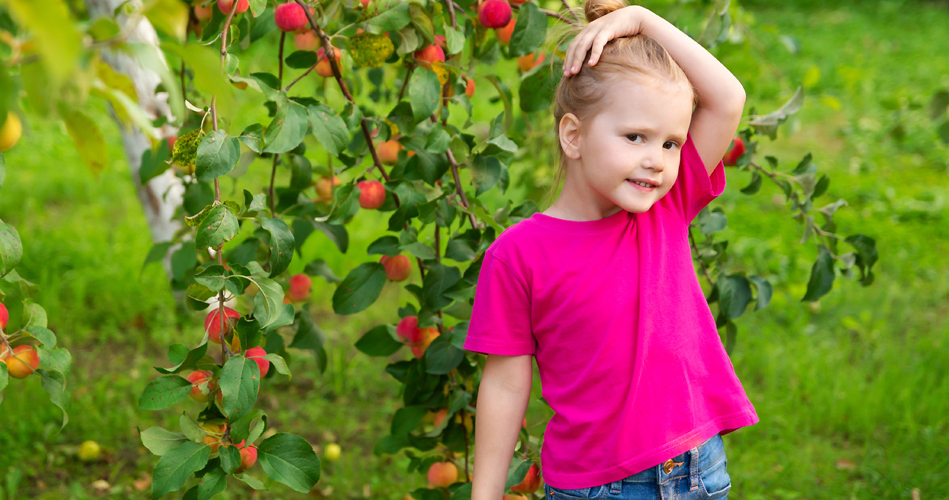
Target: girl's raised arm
{"x":721,"y":96}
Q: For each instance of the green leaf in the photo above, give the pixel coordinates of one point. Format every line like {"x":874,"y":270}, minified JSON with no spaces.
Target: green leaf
{"x":454,"y":40}
{"x":209,"y":79}
{"x":385,"y":245}
{"x":88,"y":139}
{"x":442,"y":357}
{"x":378,"y":342}
{"x":517,"y":473}
{"x":822,"y":276}
{"x":530,"y":30}
{"x":424,"y":92}
{"x":734,"y":294}
{"x":11,"y":249}
{"x":44,"y":335}
{"x":328,"y":128}
{"x":217,"y":155}
{"x":712,"y":221}
{"x":240,"y":381}
{"x":4,"y":379}
{"x":177,"y":465}
{"x":54,"y":33}
{"x":154,"y":163}
{"x":407,"y":419}
{"x":301,"y":59}
{"x":392,"y":19}
{"x":290,"y":459}
{"x":272,"y":302}
{"x":320,"y":268}
{"x":169,"y":16}
{"x":240,"y":428}
{"x":252,"y":137}
{"x":754,"y":185}
{"x":57,"y":360}
{"x":219,"y":226}
{"x":230,"y":458}
{"x":164,"y":392}
{"x":360,"y":288}
{"x":538,"y":85}
{"x":160,"y":441}
{"x":191,"y":429}
{"x":278,"y":363}
{"x":54,"y":383}
{"x":189,"y":361}
{"x":485,"y":172}
{"x":288,"y":127}
{"x":212,"y":483}
{"x":281,"y":244}
{"x":768,"y":124}
{"x":764,"y":291}
{"x":939,"y":104}
{"x":212,"y":277}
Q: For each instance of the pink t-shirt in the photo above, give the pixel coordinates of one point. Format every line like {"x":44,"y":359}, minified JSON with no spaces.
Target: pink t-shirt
{"x":629,"y":356}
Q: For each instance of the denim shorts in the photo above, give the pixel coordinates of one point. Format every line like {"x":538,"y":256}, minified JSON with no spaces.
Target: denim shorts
{"x":698,"y":474}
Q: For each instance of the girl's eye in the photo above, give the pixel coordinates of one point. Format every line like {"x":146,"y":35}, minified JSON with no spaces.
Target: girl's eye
{"x":669,"y":145}
{"x":634,"y":137}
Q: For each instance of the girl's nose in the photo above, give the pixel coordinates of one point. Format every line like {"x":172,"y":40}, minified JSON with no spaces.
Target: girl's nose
{"x":655,"y":159}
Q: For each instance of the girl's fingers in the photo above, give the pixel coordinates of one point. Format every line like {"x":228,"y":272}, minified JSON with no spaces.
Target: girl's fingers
{"x":578,"y":50}
{"x":598,"y":43}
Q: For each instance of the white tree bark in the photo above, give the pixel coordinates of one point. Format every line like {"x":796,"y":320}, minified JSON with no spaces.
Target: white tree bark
{"x":163,"y":194}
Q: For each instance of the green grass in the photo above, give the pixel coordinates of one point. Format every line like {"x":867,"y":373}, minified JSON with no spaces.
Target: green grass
{"x":858,"y":379}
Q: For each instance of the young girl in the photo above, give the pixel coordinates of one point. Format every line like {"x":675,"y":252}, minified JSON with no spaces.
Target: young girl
{"x":600,"y":288}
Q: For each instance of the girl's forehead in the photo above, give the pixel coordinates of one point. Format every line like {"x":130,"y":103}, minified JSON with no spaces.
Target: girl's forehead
{"x":629,"y":102}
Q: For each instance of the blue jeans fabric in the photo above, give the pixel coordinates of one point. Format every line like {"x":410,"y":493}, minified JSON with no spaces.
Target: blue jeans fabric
{"x":698,"y":474}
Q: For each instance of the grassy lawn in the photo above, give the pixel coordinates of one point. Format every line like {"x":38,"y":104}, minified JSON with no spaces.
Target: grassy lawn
{"x":851,"y":392}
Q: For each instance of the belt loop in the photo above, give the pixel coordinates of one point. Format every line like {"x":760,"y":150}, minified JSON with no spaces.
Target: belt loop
{"x":694,"y":469}
{"x":616,"y":487}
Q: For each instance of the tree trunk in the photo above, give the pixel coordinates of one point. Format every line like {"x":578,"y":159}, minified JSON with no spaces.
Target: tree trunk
{"x":163,"y":194}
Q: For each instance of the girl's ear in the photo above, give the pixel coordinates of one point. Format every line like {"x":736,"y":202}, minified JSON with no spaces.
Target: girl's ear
{"x":570,"y":136}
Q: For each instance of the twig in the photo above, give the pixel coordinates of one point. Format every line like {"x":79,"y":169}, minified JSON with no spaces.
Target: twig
{"x":297,"y":79}
{"x":701,"y":262}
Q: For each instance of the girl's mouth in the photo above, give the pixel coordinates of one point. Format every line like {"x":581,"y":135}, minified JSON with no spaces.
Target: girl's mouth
{"x":646,"y":188}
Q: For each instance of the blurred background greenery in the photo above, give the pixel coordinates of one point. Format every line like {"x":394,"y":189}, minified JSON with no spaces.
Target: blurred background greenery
{"x":851,"y":391}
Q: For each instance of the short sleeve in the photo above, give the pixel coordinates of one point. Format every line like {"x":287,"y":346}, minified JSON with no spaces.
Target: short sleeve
{"x":694,"y":189}
{"x":501,"y":314}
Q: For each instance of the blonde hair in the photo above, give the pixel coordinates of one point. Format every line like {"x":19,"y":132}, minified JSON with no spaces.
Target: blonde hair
{"x":637,"y":56}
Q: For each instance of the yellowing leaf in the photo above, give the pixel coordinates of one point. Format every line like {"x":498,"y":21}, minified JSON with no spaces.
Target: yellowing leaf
{"x":88,"y":139}
{"x":812,"y":77}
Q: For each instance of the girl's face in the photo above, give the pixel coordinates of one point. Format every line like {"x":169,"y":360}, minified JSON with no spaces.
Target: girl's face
{"x":638,"y":136}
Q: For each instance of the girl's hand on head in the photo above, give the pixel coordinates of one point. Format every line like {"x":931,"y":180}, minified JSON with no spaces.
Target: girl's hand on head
{"x":623,"y":22}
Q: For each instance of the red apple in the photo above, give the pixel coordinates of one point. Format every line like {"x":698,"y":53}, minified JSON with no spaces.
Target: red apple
{"x":527,"y":62}
{"x":248,"y":458}
{"x":225,"y":6}
{"x":257,"y":354}
{"x":440,"y":417}
{"x":531,"y":481}
{"x":324,"y":188}
{"x":388,"y":151}
{"x":212,"y":323}
{"x":735,"y":152}
{"x":494,"y":14}
{"x":300,"y":285}
{"x":504,"y":33}
{"x":470,"y":87}
{"x":307,"y":41}
{"x":4,"y":316}
{"x":202,"y":12}
{"x":398,"y":267}
{"x":513,"y":497}
{"x":289,"y":16}
{"x":200,"y":386}
{"x":372,"y":194}
{"x":440,"y":41}
{"x":323,"y":67}
{"x":429,"y":54}
{"x":213,"y":433}
{"x":365,"y":3}
{"x":442,"y":474}
{"x":22,"y":362}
